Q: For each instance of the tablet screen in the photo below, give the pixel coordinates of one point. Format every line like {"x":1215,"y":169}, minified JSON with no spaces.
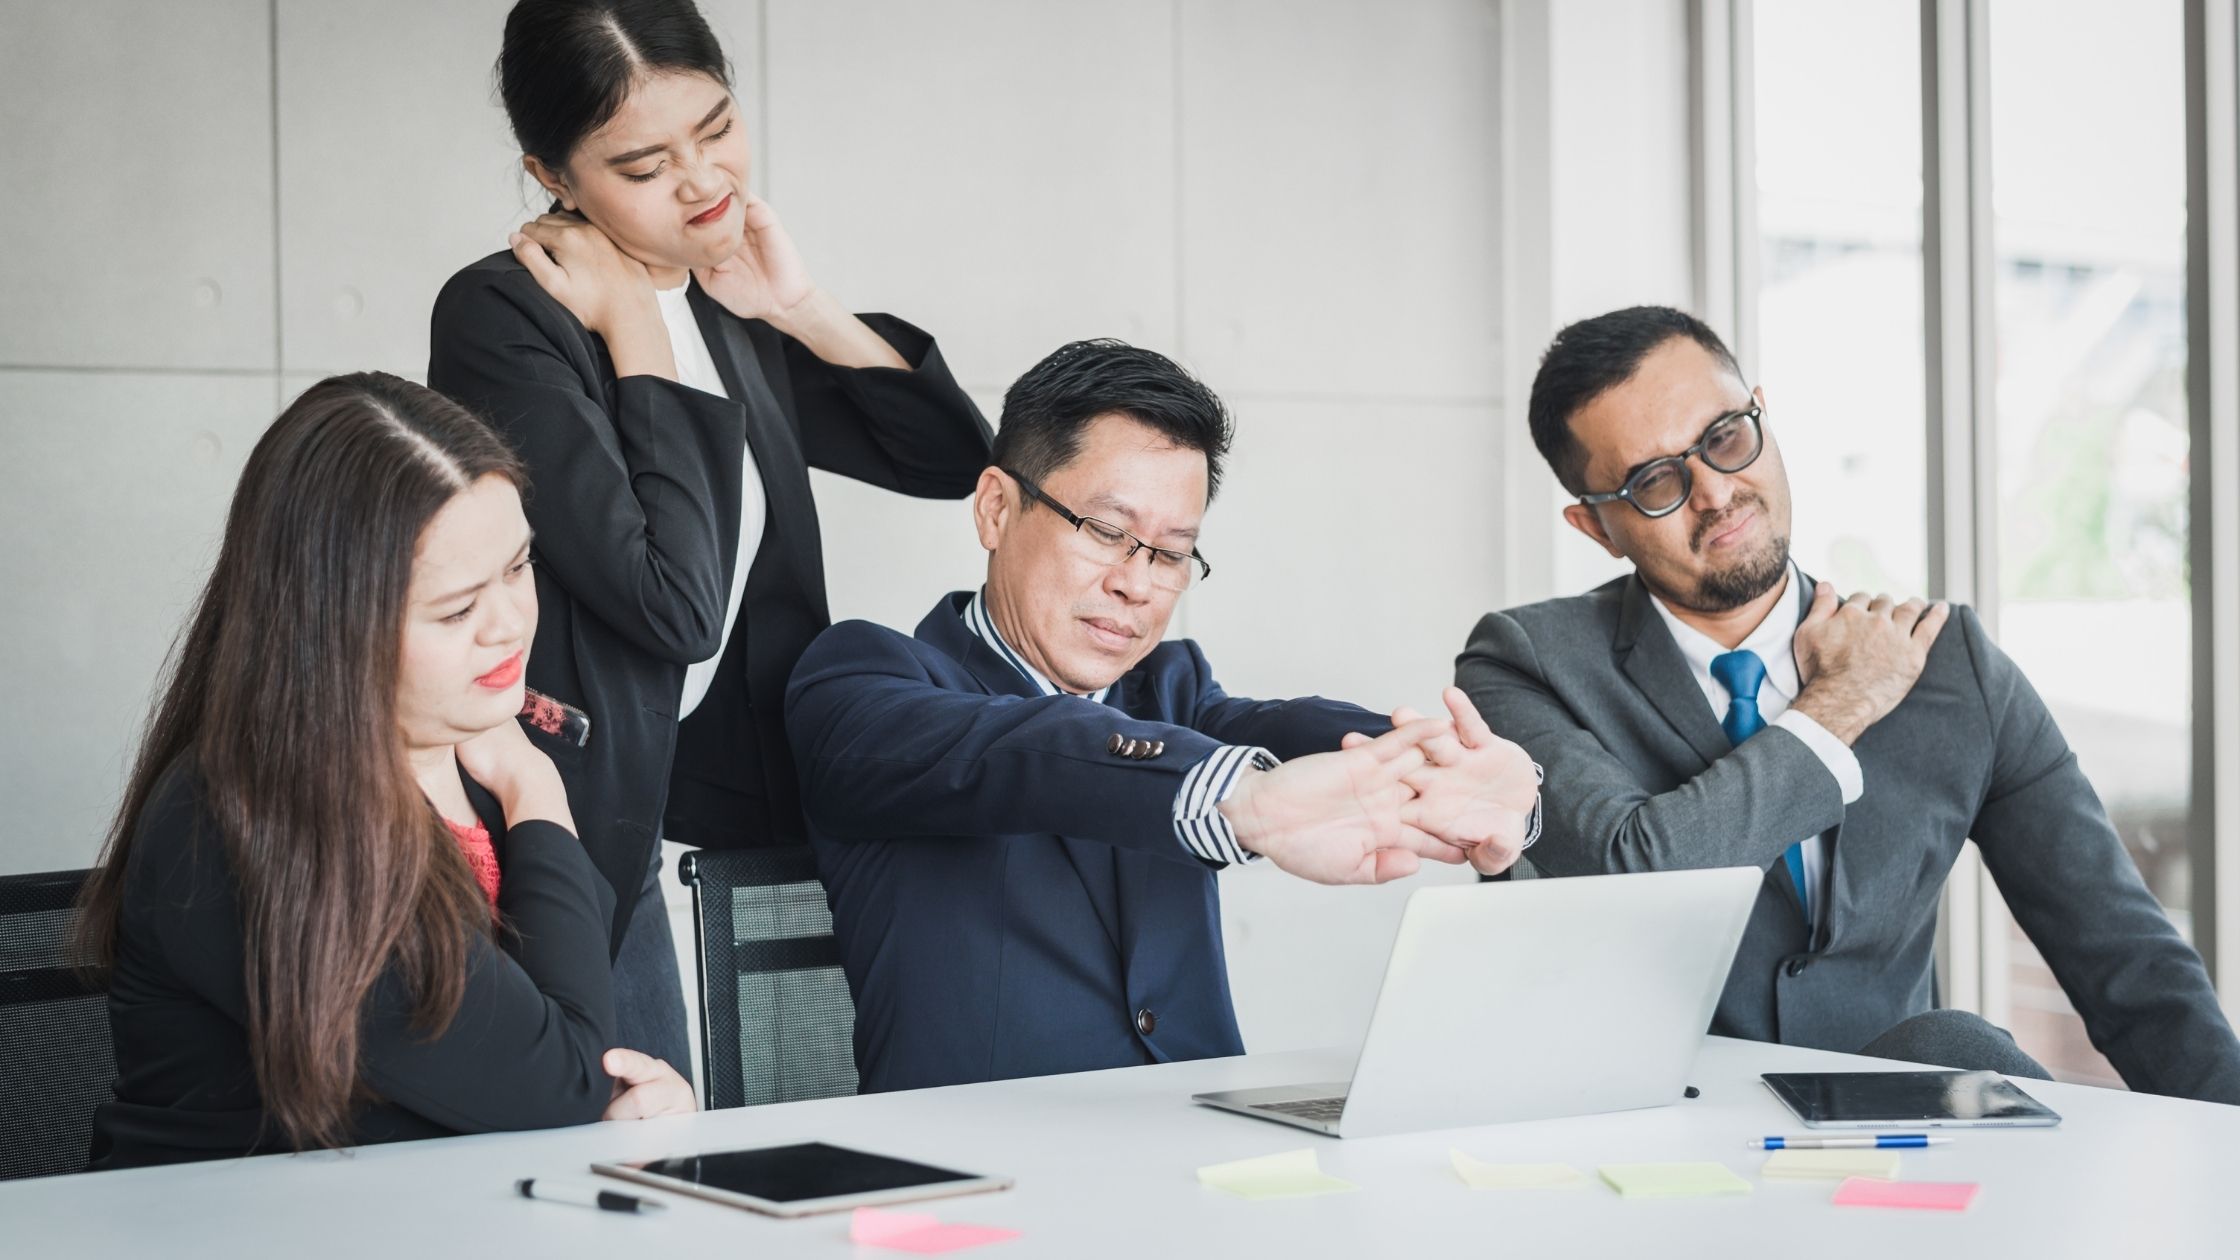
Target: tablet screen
{"x":1907,"y":1098}
{"x":799,"y":1173}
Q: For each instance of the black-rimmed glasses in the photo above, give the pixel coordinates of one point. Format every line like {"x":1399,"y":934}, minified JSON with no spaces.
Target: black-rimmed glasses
{"x":1107,"y":544}
{"x":1658,"y":488}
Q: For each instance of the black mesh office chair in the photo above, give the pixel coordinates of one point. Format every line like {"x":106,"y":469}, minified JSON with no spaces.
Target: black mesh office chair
{"x":56,"y":1063}
{"x":776,"y":1021}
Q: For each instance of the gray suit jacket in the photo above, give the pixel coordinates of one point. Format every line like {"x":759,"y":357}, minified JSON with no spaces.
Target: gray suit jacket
{"x":1640,"y":777}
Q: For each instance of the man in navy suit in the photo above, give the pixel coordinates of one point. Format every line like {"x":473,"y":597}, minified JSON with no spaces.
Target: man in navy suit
{"x":1018,"y":814}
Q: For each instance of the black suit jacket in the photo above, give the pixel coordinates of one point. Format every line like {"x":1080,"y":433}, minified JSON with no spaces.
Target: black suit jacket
{"x":522,"y":1053}
{"x":635,"y":498}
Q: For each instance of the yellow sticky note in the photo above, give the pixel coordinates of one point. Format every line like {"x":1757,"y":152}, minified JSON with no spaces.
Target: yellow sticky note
{"x":1286,"y":1176}
{"x":1479,"y":1175}
{"x":1832,"y":1165}
{"x":1673,"y":1181}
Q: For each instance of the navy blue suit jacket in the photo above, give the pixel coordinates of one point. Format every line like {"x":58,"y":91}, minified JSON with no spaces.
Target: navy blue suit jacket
{"x":1008,"y":893}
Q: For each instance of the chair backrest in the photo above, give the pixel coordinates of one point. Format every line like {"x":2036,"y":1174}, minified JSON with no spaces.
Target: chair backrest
{"x":56,"y":1061}
{"x":776,"y":1021}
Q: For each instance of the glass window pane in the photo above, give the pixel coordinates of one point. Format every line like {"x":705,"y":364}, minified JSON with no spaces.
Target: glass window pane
{"x":2088,"y":194}
{"x":1838,"y":176}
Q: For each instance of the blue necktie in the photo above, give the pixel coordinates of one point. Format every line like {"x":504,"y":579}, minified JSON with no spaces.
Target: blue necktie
{"x":1742,"y":673}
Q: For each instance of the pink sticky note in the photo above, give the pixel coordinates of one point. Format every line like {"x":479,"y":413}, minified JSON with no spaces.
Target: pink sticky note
{"x":919,"y":1234}
{"x":1937,"y":1196}
{"x":870,"y":1225}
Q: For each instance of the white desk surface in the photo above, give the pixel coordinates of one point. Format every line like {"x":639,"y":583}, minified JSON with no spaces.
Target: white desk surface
{"x":1106,"y":1166}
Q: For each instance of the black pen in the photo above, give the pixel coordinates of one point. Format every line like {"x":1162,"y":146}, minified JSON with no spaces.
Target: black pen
{"x":586,"y":1196}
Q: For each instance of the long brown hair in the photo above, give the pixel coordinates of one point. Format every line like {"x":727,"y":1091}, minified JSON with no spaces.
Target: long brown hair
{"x":282,"y":692}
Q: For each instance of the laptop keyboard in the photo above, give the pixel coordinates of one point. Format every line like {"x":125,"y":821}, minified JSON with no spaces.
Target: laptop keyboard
{"x":1323,"y":1109}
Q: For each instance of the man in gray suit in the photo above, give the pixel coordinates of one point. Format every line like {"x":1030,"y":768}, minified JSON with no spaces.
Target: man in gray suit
{"x":1717,"y":707}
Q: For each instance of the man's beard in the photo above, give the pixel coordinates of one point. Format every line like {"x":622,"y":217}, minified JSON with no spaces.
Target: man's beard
{"x":1727,"y":589}
{"x":1724,"y":590}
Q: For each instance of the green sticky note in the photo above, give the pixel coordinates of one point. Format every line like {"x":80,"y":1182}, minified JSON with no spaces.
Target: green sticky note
{"x":1831,"y":1165}
{"x":1673,"y":1181}
{"x":1479,"y":1175}
{"x":1290,"y":1175}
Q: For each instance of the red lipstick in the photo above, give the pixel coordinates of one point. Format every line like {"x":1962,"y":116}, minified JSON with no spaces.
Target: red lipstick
{"x":712,"y":213}
{"x":505,"y":675}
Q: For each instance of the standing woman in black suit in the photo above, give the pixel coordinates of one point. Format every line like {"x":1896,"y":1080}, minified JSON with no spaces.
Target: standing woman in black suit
{"x":659,"y":355}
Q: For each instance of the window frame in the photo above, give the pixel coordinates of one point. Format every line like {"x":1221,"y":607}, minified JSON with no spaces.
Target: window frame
{"x":1959,"y":329}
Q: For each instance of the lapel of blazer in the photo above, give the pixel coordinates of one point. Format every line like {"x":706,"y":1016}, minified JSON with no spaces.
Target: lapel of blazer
{"x":1092,"y":862}
{"x":1647,"y":655}
{"x":775,"y":448}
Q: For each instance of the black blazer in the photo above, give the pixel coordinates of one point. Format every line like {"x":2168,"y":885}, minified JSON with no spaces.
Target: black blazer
{"x":635,"y":499}
{"x":522,"y":1053}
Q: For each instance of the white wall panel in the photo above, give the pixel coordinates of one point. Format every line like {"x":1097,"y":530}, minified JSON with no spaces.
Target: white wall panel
{"x":1341,"y":196}
{"x":138,"y":184}
{"x":888,"y":557}
{"x":113,"y":493}
{"x":1619,"y":119}
{"x":999,"y":172}
{"x":397,"y":167}
{"x":1353,"y":547}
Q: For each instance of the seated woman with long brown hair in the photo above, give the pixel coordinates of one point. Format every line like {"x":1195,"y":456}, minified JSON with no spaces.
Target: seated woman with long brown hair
{"x":343,"y":901}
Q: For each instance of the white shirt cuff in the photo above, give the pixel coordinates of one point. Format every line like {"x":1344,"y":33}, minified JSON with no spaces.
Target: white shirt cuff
{"x":1832,"y":752}
{"x":1198,"y":821}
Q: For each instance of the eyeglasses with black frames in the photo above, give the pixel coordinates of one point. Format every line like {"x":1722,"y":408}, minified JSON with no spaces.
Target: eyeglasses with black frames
{"x":1107,"y":544}
{"x":1658,"y":488}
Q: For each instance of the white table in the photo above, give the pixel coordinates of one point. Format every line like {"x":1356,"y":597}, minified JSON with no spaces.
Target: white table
{"x":1106,"y":1165}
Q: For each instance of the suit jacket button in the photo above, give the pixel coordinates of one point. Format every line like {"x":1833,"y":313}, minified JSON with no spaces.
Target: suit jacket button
{"x":1157,"y":746}
{"x":1797,"y":966}
{"x":1117,"y":745}
{"x":1147,"y":1021}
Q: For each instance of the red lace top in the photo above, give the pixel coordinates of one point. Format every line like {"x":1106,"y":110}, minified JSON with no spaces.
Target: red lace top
{"x":482,"y":858}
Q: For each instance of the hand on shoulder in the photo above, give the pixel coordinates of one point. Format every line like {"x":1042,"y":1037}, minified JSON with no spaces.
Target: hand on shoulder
{"x":518,"y":773}
{"x":1858,"y":659}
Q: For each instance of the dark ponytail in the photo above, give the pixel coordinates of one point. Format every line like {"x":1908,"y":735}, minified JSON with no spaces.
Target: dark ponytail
{"x":567,"y":65}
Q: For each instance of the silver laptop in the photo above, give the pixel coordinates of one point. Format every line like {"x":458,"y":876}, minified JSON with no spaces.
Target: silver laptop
{"x":1531,"y":999}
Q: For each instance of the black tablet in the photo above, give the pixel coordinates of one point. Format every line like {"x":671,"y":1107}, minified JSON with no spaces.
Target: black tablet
{"x":1908,"y":1100}
{"x":801,"y":1179}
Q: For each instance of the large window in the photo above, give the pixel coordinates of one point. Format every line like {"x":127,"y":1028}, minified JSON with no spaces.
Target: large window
{"x":2088,"y":184}
{"x":2073,"y":524}
{"x":1838,"y":183}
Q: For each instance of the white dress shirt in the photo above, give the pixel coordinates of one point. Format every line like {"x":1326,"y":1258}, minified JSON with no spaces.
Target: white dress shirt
{"x":1774,"y":642}
{"x":696,"y":369}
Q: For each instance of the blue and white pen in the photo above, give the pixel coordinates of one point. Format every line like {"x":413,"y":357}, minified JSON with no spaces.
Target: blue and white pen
{"x":1864,"y":1142}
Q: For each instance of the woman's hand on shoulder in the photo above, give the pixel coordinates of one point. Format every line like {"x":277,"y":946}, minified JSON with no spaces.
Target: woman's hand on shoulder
{"x":585,"y":271}
{"x":645,"y":1087}
{"x":519,"y":774}
{"x":766,"y":278}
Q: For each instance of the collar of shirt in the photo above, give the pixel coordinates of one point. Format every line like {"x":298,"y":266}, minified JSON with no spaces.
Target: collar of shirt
{"x":976,"y":619}
{"x":1772,"y":640}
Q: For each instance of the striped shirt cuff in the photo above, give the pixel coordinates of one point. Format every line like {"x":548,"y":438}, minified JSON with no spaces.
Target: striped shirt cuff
{"x":1198,"y":821}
